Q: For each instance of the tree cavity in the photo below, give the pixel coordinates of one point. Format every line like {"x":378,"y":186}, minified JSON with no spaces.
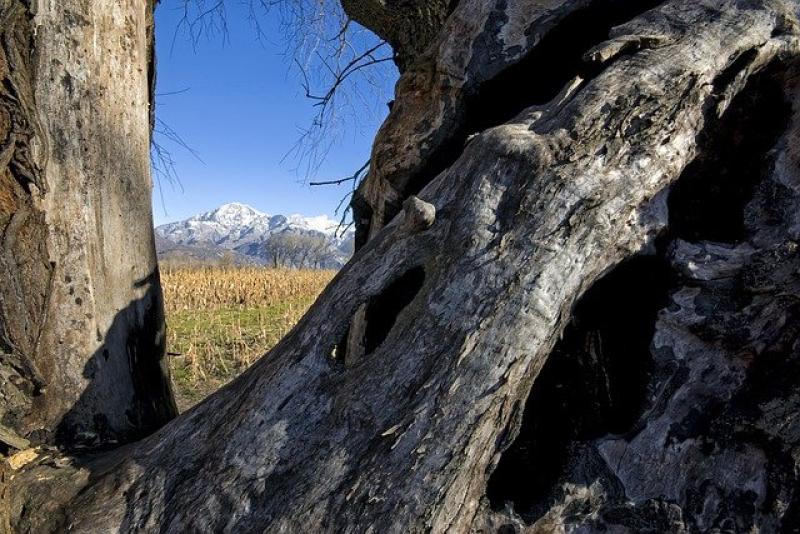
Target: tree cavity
{"x":708,"y":201}
{"x":384,"y":309}
{"x":594,"y":383}
{"x":380,"y":313}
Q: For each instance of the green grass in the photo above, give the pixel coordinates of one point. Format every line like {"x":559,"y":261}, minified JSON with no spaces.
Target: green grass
{"x":208,"y":348}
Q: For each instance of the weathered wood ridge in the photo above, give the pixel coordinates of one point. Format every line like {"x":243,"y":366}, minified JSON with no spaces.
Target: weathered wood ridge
{"x":580,"y":300}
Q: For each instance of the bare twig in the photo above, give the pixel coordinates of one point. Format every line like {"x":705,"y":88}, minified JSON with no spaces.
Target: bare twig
{"x":354,"y":178}
{"x":342,"y":69}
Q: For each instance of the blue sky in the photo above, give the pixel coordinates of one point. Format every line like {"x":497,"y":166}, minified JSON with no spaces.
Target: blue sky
{"x":237,"y":103}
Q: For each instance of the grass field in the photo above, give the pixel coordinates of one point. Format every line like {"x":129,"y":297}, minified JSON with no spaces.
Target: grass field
{"x":222,"y":319}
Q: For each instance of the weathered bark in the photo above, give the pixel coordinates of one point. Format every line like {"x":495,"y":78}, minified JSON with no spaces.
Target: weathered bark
{"x":684,"y":364}
{"x":408,"y":26}
{"x":81,"y":316}
{"x":569,"y":342}
{"x":489,"y":62}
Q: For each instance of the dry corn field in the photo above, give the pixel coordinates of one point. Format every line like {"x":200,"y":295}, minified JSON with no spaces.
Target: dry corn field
{"x":221,"y":319}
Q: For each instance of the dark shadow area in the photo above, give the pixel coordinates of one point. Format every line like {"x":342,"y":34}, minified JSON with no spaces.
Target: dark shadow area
{"x":708,"y":201}
{"x":594,"y":383}
{"x":739,"y":65}
{"x":541,"y":75}
{"x":758,"y":414}
{"x":130,"y":394}
{"x":536,"y":79}
{"x":383,"y":309}
{"x":362,"y":217}
{"x":339,"y":350}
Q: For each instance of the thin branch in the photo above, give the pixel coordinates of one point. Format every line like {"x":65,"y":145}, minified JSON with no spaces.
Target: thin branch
{"x":178,"y":92}
{"x":162,"y":128}
{"x":333,"y":56}
{"x":352,"y":178}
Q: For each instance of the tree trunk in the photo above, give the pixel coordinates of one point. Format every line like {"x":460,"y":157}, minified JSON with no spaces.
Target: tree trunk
{"x":81,"y":315}
{"x":408,"y":26}
{"x":589,"y":320}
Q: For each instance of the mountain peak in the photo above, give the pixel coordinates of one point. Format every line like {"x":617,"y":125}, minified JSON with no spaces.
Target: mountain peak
{"x":236,"y":207}
{"x":243,"y":229}
{"x":232,"y":214}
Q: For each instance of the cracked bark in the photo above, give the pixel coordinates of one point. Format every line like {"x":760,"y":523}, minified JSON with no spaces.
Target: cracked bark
{"x":537,"y":215}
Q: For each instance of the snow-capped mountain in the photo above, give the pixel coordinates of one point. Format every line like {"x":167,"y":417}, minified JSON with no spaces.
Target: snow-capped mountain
{"x":257,"y":237}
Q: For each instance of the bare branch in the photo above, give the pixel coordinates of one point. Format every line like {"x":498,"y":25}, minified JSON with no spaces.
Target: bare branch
{"x":342,"y":68}
{"x":354,"y":178}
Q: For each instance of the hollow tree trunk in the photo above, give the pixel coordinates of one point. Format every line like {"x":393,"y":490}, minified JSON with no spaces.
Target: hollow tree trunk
{"x":590,"y":320}
{"x":81,"y":316}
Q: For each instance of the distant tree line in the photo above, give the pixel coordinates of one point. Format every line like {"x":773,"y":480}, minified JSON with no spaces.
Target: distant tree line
{"x":297,"y":250}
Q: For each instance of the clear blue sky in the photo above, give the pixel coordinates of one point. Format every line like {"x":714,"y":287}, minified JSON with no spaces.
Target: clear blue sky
{"x":240,"y":107}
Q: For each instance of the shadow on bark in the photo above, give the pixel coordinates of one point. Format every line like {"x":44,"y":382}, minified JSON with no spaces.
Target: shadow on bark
{"x":594,"y":383}
{"x":708,"y":201}
{"x":533,"y":81}
{"x":136,"y":375}
{"x":597,"y":380}
{"x":383,"y":309}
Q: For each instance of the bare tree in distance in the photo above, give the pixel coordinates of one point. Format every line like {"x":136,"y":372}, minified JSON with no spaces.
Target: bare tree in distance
{"x":319,"y":250}
{"x":310,"y":250}
{"x":299,"y":250}
{"x":279,"y":248}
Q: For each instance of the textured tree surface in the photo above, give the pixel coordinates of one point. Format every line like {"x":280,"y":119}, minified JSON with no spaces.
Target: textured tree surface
{"x":408,"y":26}
{"x":81,"y":316}
{"x":578,"y":303}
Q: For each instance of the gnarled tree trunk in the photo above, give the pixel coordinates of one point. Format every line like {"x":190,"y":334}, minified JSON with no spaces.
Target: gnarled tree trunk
{"x":408,"y":26}
{"x":81,"y":315}
{"x":579,"y":297}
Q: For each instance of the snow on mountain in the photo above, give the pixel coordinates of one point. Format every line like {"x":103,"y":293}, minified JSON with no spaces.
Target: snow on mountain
{"x":247,"y":231}
{"x":322,"y":223}
{"x":233,"y":214}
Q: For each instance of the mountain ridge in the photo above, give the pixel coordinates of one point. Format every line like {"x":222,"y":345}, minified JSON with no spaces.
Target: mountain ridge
{"x":247,"y":235}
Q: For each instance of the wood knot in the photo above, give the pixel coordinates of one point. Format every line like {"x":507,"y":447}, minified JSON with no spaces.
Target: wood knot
{"x":418,"y":215}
